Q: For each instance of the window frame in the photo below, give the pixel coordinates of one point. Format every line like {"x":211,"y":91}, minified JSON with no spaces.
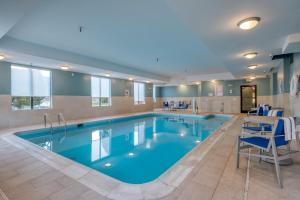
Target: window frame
{"x":99,"y":98}
{"x":138,"y":95}
{"x":31,"y":86}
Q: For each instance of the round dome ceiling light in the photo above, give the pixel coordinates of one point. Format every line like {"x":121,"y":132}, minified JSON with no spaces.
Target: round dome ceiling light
{"x":64,"y":67}
{"x":248,"y":23}
{"x":252,"y":66}
{"x":2,"y":57}
{"x":250,"y":55}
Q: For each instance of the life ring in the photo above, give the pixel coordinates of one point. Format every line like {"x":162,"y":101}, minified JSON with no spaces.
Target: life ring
{"x":294,"y":85}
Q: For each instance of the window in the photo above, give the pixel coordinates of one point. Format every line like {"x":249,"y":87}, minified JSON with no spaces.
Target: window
{"x":101,"y":144}
{"x":139,"y":133}
{"x":101,"y":92}
{"x":30,"y":88}
{"x":154,"y":93}
{"x":139,"y":93}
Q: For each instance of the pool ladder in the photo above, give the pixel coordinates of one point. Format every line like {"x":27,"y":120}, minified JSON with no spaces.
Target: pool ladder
{"x":48,"y":121}
{"x":61,"y":120}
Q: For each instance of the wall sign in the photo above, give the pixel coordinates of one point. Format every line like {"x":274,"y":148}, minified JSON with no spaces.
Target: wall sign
{"x":126,"y":93}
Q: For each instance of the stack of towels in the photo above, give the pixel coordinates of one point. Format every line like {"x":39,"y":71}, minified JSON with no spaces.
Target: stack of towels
{"x":272,"y":113}
{"x":289,"y":128}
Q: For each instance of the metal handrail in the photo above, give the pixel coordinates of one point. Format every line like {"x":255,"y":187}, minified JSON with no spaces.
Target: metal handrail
{"x":47,"y":119}
{"x":61,"y":118}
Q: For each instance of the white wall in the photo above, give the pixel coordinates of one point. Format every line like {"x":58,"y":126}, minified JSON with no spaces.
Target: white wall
{"x":295,"y":101}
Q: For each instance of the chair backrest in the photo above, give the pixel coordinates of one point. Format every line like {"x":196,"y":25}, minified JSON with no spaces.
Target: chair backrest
{"x":166,"y":104}
{"x":260,"y":111}
{"x":280,"y":113}
{"x":279,"y":133}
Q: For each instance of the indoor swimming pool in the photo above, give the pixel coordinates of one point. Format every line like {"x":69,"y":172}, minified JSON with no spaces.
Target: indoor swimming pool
{"x":135,"y":149}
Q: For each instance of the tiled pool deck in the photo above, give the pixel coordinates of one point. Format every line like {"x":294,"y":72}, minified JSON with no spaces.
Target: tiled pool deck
{"x":24,"y":175}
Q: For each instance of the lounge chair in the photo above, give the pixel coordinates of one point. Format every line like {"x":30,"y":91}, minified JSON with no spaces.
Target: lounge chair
{"x":166,"y":105}
{"x":268,"y":143}
{"x":259,"y":111}
{"x":264,"y":126}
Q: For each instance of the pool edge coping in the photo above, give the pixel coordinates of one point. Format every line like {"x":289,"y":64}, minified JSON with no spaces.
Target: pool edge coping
{"x":112,"y":188}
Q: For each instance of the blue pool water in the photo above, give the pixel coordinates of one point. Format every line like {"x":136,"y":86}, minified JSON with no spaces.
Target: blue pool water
{"x":131,"y":149}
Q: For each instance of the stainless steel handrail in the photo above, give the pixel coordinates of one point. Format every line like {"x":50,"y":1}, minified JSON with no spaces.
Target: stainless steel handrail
{"x":47,"y":120}
{"x":61,"y":118}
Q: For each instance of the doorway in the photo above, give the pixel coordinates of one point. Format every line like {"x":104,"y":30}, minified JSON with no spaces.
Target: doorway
{"x":248,"y":98}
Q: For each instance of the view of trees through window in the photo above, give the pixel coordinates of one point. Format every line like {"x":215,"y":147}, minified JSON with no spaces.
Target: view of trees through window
{"x":31,"y":88}
{"x":101,"y":91}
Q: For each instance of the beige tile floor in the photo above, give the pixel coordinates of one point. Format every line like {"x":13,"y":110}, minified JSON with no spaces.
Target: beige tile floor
{"x":215,"y":177}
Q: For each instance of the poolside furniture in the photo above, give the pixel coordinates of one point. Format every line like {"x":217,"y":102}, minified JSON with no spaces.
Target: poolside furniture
{"x":263,"y":126}
{"x":181,"y":105}
{"x":269,"y":142}
{"x":166,"y":105}
{"x":259,"y":111}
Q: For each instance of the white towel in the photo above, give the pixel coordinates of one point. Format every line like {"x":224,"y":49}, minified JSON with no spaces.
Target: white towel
{"x":272,"y":113}
{"x":265,"y":107}
{"x":289,"y":128}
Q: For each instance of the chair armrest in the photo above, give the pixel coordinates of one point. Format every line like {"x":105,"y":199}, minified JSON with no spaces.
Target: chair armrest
{"x":252,"y":112}
{"x":248,"y":135}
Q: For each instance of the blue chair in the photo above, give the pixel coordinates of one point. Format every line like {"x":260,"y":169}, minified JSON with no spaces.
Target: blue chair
{"x":166,"y":105}
{"x":266,"y":143}
{"x":262,"y":126}
{"x":260,"y":110}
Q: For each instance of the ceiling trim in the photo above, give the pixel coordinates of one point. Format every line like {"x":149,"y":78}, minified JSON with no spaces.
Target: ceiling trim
{"x":19,"y":46}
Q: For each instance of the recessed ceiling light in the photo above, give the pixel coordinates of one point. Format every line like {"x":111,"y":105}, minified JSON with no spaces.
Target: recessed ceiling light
{"x":252,"y":78}
{"x":107,"y":164}
{"x":198,"y":83}
{"x":107,"y":75}
{"x":64,"y":67}
{"x":248,"y":23}
{"x":130,"y":78}
{"x":130,"y":154}
{"x":213,"y":81}
{"x":2,"y":57}
{"x":250,"y":55}
{"x":252,"y":66}
{"x":147,"y":81}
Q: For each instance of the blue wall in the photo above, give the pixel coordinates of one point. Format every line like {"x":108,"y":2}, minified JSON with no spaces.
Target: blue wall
{"x":287,"y":74}
{"x":66,"y":83}
{"x":207,"y":87}
{"x":274,"y":83}
{"x":5,"y":78}
{"x":179,"y":91}
{"x":70,"y":83}
{"x":280,"y":80}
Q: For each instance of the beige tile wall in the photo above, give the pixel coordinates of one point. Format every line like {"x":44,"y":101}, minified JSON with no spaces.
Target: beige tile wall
{"x":73,"y":107}
{"x":295,"y":106}
{"x":290,"y":104}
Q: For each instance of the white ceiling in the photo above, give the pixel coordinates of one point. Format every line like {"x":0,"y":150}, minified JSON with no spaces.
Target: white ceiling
{"x":192,"y":39}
